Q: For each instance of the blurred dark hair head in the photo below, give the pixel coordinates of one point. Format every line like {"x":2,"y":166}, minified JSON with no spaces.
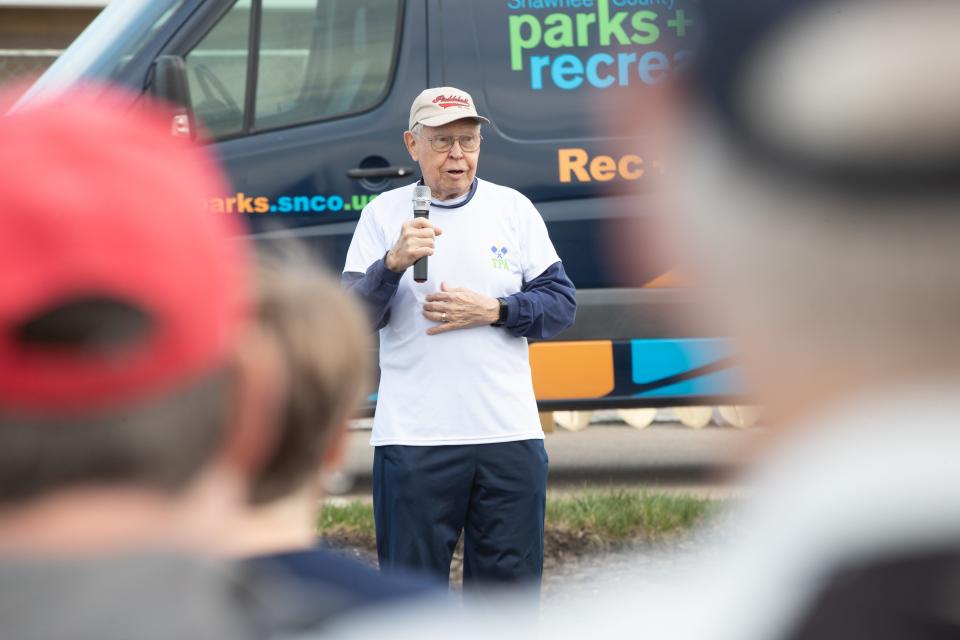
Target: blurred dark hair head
{"x":818,"y":175}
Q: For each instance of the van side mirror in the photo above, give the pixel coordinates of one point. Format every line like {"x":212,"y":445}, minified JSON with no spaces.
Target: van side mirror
{"x":170,"y":86}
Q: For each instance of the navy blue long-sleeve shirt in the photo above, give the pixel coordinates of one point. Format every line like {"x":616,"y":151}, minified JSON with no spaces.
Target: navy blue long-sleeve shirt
{"x":542,"y":308}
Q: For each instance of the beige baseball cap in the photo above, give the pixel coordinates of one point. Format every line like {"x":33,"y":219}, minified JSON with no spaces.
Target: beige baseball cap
{"x":440,"y":105}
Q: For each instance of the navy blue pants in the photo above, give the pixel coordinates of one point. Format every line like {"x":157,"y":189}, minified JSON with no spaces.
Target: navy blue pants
{"x":423,"y":497}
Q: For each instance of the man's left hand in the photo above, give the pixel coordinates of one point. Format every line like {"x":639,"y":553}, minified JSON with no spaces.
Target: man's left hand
{"x":458,"y":308}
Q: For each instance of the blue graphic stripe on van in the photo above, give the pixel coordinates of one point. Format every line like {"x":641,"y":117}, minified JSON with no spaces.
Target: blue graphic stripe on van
{"x":684,"y":367}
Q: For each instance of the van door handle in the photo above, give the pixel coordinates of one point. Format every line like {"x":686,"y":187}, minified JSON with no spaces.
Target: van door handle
{"x":380,"y":172}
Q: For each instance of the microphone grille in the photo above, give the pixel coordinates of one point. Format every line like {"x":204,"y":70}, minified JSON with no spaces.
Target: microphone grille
{"x":421,"y":192}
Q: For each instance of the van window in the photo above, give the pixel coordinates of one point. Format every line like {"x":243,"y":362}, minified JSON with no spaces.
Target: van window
{"x":318,"y":59}
{"x":217,"y":73}
{"x":115,"y":37}
{"x":321,"y":59}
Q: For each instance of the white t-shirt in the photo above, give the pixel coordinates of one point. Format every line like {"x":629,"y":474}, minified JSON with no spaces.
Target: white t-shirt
{"x":467,"y":386}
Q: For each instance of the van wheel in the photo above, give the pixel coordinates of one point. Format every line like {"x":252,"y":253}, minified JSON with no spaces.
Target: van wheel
{"x":740,"y":416}
{"x":573,"y":420}
{"x":694,"y":417}
{"x":637,"y":418}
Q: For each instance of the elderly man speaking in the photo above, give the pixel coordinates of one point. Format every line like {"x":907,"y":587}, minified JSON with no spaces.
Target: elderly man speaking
{"x":458,"y":440}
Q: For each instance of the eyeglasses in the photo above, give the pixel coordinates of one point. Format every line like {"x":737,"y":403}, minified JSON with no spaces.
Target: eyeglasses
{"x":469,"y":142}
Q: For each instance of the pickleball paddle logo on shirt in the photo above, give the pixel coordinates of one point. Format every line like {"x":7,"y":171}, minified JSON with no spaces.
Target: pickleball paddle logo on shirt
{"x":500,"y":258}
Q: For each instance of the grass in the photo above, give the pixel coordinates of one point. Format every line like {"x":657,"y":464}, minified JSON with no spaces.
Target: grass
{"x":600,"y":518}
{"x":353,"y":518}
{"x":619,"y":516}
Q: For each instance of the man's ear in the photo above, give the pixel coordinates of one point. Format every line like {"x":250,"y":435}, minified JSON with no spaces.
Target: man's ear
{"x":256,"y":403}
{"x":410,"y":141}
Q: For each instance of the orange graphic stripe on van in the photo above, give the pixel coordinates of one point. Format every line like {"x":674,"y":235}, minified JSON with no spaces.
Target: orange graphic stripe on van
{"x":667,"y":280}
{"x":565,"y":370}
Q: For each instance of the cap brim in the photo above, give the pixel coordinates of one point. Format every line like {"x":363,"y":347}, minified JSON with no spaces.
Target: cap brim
{"x":447,"y":118}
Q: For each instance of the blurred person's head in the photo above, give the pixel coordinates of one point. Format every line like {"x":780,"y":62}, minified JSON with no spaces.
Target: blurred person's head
{"x":817,"y":192}
{"x":326,"y":351}
{"x":133,"y":395}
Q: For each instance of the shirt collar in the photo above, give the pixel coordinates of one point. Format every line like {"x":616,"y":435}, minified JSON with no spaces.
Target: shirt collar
{"x":468,"y":198}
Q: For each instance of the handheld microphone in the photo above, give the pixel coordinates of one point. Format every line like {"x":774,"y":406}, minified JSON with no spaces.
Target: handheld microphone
{"x":421,"y":209}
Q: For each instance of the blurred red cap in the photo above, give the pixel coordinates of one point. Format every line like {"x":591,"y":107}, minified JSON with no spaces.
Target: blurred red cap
{"x":99,"y":201}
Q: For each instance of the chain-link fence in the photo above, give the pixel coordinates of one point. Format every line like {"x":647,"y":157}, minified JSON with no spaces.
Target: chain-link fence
{"x":23,"y":65}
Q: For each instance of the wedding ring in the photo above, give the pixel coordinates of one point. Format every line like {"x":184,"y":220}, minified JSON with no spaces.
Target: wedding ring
{"x":443,"y":317}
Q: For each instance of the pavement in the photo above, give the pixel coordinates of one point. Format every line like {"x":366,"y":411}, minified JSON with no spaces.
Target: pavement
{"x":666,"y":456}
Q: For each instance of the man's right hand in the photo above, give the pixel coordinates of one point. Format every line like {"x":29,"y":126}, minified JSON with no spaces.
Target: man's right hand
{"x":416,"y":241}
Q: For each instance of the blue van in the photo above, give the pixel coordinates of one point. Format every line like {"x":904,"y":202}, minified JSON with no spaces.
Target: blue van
{"x":305,"y":102}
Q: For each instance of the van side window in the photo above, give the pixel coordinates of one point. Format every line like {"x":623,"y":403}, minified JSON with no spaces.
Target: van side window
{"x":217,"y":73}
{"x":321,"y":59}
